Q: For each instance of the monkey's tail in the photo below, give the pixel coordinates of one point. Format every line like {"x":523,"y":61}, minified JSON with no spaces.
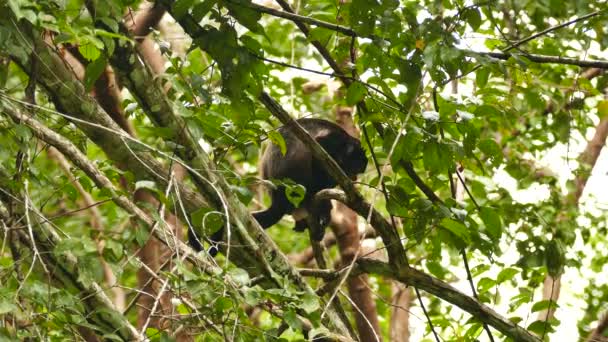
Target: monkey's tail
{"x":269,"y":217}
{"x":194,"y":240}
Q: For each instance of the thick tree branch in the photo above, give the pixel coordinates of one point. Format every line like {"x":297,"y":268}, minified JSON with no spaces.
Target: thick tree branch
{"x":66,"y":92}
{"x":541,"y":58}
{"x":300,"y":19}
{"x":436,"y":287}
{"x":145,"y":19}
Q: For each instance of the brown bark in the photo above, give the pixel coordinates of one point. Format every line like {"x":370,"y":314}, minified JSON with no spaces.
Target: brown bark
{"x":146,"y":18}
{"x":107,"y":92}
{"x":149,"y":255}
{"x":154,"y":251}
{"x":597,"y":335}
{"x":400,"y":314}
{"x":551,"y":290}
{"x":552,"y":285}
{"x":590,"y":156}
{"x":306,"y":257}
{"x":345,"y":229}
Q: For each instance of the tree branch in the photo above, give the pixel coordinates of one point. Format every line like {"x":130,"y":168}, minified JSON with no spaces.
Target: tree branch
{"x":541,"y":58}
{"x":301,"y":19}
{"x":100,"y":311}
{"x":436,"y":287}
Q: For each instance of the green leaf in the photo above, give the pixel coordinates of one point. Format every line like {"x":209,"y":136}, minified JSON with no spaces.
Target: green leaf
{"x":437,"y":157}
{"x":278,"y":140}
{"x":534,"y":100}
{"x":89,"y":270}
{"x":482,"y":76}
{"x":310,"y":302}
{"x":239,"y":275}
{"x":473,"y":17}
{"x":247,"y":17}
{"x":115,"y":248}
{"x":252,"y":296}
{"x":141,"y":235}
{"x":114,"y":337}
{"x":89,"y":51}
{"x":15,"y":8}
{"x":397,"y":201}
{"x":295,"y":193}
{"x":485,"y":284}
{"x":208,"y":219}
{"x":555,"y":257}
{"x":148,"y":185}
{"x":93,"y":71}
{"x":243,"y":193}
{"x":222,"y":304}
{"x":355,"y":93}
{"x":486,"y":110}
{"x":540,"y":328}
{"x":408,"y":146}
{"x":6,"y":306}
{"x":436,"y":269}
{"x":363,"y":16}
{"x":180,"y":8}
{"x":320,"y":34}
{"x":23,"y":132}
{"x":111,"y":22}
{"x":200,"y":10}
{"x":430,"y":157}
{"x":602,"y":109}
{"x":492,"y":221}
{"x":506,"y":274}
{"x":523,"y":298}
{"x":544,"y":305}
{"x":291,"y":318}
{"x":456,"y":228}
{"x":491,"y":149}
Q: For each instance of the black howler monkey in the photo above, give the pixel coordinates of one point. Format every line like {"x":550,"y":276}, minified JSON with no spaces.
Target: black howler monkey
{"x":299,"y":165}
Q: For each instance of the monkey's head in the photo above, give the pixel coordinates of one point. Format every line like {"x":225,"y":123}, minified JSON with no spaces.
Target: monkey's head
{"x":346,"y":151}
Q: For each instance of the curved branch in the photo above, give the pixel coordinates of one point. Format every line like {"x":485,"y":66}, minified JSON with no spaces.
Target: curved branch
{"x":434,"y":286}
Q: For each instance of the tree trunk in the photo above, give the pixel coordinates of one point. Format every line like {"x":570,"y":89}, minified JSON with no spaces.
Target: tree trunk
{"x":346,"y":230}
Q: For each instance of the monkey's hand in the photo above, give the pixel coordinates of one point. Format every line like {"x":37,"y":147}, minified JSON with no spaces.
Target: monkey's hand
{"x":301,"y":225}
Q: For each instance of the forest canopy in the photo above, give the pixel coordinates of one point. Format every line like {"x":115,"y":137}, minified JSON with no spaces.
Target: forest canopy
{"x":481,"y":214}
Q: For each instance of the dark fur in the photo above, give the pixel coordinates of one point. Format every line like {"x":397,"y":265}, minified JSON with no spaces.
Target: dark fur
{"x":299,"y":165}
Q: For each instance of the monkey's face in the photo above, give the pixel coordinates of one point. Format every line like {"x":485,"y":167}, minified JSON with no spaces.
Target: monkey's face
{"x":352,"y":160}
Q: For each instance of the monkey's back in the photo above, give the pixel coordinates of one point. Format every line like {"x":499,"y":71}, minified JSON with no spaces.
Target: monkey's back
{"x":296,"y":164}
